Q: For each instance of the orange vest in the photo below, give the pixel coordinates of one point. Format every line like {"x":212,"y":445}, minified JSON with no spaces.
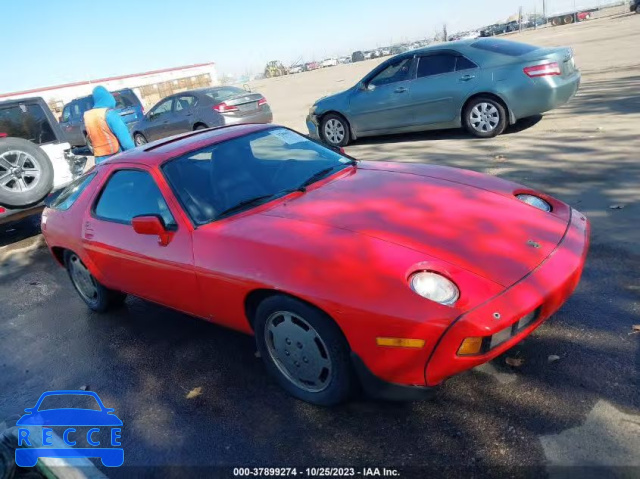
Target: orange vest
{"x":104,"y":142}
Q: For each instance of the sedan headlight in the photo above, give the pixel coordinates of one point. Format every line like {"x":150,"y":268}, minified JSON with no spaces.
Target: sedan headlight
{"x":535,"y":202}
{"x":435,"y":287}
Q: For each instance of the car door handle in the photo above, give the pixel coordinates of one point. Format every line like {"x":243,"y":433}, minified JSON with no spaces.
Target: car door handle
{"x":467,"y":77}
{"x":400,"y":89}
{"x":88,"y":230}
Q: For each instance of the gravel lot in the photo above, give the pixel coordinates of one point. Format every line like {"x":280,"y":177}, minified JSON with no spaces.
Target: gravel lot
{"x":580,"y":411}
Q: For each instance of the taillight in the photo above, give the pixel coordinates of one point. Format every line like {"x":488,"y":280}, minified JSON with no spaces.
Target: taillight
{"x":2,"y":210}
{"x":548,"y":69}
{"x":262,"y":101}
{"x":224,"y":108}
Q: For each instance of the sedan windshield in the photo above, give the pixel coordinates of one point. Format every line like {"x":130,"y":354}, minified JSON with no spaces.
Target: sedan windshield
{"x":238,"y":174}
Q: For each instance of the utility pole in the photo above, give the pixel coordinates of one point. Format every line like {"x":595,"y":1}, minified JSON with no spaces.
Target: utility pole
{"x":445,"y":38}
{"x":544,"y":9}
{"x":520,"y":19}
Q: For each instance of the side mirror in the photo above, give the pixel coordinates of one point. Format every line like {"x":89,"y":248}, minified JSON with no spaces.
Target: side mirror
{"x":246,"y":87}
{"x":154,"y":226}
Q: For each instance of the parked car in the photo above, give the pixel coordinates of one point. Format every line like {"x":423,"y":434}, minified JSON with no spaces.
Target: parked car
{"x":483,"y":85}
{"x":634,"y":6}
{"x":492,"y":30}
{"x":329,"y":62}
{"x":200,"y":109}
{"x":357,"y":56}
{"x":311,"y":66}
{"x":205,"y":223}
{"x":385,"y":51}
{"x":72,"y":120}
{"x":296,"y":69}
{"x":35,"y":157}
{"x":343,"y":60}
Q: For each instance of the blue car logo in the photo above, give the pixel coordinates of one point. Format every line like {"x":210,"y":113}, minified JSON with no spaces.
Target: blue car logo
{"x":36,"y":437}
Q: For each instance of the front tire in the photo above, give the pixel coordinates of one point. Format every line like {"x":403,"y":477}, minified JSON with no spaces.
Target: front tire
{"x":99,"y":298}
{"x":335,"y":130}
{"x":484,"y":117}
{"x":304,"y":351}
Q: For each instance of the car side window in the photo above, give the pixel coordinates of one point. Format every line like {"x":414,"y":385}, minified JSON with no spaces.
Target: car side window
{"x":395,"y":72}
{"x":436,"y":65}
{"x":131,"y":193}
{"x":463,"y":63}
{"x":66,"y":114}
{"x":161,"y":108}
{"x":185,"y":102}
{"x":70,"y":194}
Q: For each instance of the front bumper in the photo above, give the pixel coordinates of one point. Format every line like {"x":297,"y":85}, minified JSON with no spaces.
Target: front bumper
{"x":312,"y":126}
{"x":543,"y":290}
{"x":380,"y":389}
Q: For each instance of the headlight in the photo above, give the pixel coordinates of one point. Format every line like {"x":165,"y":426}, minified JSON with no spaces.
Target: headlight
{"x":434,"y":287}
{"x":535,"y":202}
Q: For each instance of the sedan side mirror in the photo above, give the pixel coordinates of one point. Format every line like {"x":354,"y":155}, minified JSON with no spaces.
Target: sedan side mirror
{"x":154,"y":226}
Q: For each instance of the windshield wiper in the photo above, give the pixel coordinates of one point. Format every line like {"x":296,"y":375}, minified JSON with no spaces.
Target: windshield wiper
{"x":317,"y":176}
{"x":244,"y":204}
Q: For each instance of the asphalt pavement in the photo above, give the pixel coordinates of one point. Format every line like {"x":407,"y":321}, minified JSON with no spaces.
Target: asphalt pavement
{"x":568,"y":407}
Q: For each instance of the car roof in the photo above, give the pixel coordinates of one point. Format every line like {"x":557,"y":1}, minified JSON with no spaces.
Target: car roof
{"x":445,"y":46}
{"x":157,"y":152}
{"x":22,"y":100}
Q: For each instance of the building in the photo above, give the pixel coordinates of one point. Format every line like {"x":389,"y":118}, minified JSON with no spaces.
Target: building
{"x":150,"y":86}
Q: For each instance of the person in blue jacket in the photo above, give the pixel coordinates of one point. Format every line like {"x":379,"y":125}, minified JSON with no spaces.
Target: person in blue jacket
{"x":106,"y":130}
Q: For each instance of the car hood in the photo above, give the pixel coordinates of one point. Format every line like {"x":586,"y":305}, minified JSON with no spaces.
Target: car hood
{"x":329,"y":101}
{"x":464,"y":218}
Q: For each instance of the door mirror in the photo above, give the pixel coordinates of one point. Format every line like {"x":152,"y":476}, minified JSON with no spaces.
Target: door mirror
{"x":247,"y":87}
{"x":154,"y":226}
{"x":151,"y":115}
{"x":367,"y":86}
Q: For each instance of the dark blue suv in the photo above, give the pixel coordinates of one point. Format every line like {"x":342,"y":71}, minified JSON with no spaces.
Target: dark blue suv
{"x":72,"y":119}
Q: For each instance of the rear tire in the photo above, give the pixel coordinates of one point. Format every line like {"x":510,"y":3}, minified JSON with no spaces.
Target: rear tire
{"x":26,"y":173}
{"x":139,"y":139}
{"x":334,"y":130}
{"x":567,"y":20}
{"x":484,"y":117}
{"x":99,"y":298}
{"x":309,"y":356}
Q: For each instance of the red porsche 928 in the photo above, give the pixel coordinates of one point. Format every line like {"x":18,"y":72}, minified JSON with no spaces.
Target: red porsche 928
{"x":386,"y":275}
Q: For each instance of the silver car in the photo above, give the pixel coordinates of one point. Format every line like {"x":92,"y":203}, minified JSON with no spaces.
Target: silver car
{"x":484,"y":85}
{"x":199,"y":109}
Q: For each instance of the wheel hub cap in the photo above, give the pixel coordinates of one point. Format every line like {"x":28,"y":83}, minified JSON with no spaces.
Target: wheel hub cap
{"x":83,"y":280}
{"x":298,"y":351}
{"x":484,"y":117}
{"x":19,"y":171}
{"x":334,"y":131}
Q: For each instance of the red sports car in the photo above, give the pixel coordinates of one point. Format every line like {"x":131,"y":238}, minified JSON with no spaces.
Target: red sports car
{"x":392,"y":276}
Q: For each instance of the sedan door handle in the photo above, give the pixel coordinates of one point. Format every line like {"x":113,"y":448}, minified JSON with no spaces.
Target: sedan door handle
{"x":467,"y":77}
{"x":400,"y":89}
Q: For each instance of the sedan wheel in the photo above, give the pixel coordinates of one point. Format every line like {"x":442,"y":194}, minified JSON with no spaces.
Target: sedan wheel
{"x":298,"y":351}
{"x":485,"y":117}
{"x":139,"y":139}
{"x":82,"y":279}
{"x":335,"y":130}
{"x":98,"y":297}
{"x":304,"y":350}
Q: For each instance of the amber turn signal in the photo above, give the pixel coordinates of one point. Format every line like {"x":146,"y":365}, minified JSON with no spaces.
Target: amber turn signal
{"x":400,"y":342}
{"x":470,"y":346}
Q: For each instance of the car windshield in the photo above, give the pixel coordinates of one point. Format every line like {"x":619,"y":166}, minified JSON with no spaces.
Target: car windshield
{"x":234,"y":175}
{"x":67,"y":401}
